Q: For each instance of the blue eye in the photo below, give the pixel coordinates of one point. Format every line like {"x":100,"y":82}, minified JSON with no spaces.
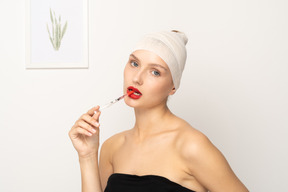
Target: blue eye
{"x":156,"y":73}
{"x":134,"y":64}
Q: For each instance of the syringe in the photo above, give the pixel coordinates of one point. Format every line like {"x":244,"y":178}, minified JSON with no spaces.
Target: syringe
{"x":115,"y":101}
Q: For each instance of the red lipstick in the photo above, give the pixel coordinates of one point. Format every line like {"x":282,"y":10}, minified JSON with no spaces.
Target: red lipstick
{"x":136,"y":94}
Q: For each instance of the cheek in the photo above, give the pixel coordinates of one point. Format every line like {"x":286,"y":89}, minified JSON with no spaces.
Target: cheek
{"x":162,"y":89}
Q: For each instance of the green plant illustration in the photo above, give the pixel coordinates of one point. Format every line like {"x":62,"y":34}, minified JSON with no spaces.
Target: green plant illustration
{"x":57,"y":31}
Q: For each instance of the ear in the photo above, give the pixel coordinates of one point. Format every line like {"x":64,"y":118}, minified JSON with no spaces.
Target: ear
{"x":172,"y":91}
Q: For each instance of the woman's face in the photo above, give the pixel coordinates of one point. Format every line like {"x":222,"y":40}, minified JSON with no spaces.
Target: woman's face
{"x":149,"y":76}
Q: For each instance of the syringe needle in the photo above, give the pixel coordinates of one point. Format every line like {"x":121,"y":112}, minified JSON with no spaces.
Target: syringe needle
{"x":115,"y":101}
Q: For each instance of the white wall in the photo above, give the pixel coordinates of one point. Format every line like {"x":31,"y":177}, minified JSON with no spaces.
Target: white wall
{"x":234,"y":88}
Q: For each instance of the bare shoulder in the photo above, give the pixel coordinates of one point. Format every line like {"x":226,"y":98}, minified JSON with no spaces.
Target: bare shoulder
{"x":193,"y":145}
{"x":188,"y":137}
{"x":205,"y":162}
{"x":114,"y":142}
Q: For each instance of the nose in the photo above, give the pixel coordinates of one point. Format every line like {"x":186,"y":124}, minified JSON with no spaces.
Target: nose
{"x":138,"y":78}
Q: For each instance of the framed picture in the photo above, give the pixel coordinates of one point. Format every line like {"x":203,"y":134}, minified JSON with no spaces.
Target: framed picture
{"x":56,"y":34}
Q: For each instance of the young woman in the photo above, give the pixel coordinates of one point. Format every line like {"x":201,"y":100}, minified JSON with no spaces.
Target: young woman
{"x":162,"y":152}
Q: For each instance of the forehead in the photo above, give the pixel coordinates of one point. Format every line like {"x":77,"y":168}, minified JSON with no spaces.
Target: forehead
{"x":148,"y":57}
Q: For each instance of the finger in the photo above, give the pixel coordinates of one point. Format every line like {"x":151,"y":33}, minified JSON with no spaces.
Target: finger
{"x":87,"y":127}
{"x":96,"y":115}
{"x":92,"y":110}
{"x":74,"y":133}
{"x":81,"y":131}
{"x":93,"y":122}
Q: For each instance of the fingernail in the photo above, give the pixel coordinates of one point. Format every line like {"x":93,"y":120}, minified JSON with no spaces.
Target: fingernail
{"x":93,"y":130}
{"x":97,"y":124}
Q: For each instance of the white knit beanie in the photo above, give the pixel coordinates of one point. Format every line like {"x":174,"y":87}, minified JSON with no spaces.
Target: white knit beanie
{"x":170,"y":46}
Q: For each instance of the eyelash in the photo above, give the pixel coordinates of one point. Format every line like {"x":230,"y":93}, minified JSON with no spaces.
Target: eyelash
{"x":133,"y":63}
{"x":158,"y":73}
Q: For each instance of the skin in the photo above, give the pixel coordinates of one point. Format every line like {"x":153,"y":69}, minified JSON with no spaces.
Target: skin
{"x":160,"y":143}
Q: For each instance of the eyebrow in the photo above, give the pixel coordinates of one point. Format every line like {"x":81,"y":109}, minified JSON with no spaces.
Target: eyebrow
{"x":151,"y":64}
{"x":134,"y":57}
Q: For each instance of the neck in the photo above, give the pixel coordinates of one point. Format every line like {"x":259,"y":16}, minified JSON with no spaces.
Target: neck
{"x":151,"y":121}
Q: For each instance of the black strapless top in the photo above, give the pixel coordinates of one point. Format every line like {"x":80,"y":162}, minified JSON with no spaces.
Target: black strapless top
{"x":120,"y":182}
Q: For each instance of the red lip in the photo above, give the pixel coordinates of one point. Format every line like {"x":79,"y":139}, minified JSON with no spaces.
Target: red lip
{"x":133,"y":96}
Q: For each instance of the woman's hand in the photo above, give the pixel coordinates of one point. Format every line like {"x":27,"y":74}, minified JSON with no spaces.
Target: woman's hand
{"x":85,"y":133}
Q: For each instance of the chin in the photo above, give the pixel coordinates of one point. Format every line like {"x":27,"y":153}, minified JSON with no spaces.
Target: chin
{"x":129,"y":102}
{"x":134,"y":103}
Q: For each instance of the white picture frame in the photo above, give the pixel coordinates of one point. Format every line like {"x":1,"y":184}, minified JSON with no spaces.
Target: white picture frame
{"x":56,"y":34}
